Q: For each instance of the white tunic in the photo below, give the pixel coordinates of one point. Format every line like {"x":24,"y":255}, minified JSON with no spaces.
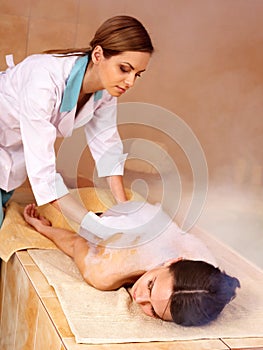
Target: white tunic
{"x":30,"y":120}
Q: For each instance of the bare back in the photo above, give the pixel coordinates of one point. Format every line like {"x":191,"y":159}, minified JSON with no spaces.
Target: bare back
{"x":145,"y":238}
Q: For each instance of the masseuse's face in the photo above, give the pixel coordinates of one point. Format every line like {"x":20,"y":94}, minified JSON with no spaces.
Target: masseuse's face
{"x":152,"y":292}
{"x":118,"y":73}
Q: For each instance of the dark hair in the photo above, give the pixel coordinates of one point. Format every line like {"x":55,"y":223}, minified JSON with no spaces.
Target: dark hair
{"x":200,"y":292}
{"x":116,"y":35}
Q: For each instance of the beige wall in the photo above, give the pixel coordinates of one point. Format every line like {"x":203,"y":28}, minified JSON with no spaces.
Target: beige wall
{"x":207,"y":67}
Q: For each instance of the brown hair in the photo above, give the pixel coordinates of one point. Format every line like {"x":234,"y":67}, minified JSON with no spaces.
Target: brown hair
{"x":115,"y":35}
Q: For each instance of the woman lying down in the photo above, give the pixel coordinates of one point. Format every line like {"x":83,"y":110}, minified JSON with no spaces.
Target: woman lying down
{"x":173,"y":275}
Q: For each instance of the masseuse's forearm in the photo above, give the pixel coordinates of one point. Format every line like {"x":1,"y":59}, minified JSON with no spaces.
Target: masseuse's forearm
{"x":71,"y":208}
{"x":117,"y":188}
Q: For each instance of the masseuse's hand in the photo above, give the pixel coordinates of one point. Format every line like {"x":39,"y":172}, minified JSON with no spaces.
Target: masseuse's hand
{"x":92,"y":228}
{"x":34,"y":219}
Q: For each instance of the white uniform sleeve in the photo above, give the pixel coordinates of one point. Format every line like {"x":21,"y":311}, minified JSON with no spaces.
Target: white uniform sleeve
{"x":38,"y":99}
{"x":104,"y":140}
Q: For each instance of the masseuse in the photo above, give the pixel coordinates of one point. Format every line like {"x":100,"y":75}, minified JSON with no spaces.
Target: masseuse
{"x":49,"y":95}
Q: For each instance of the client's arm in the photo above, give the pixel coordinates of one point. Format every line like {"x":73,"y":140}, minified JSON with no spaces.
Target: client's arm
{"x":102,"y":271}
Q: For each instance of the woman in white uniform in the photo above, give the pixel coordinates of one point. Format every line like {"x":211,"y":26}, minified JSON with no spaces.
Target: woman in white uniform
{"x":49,"y":95}
{"x":174,"y":275}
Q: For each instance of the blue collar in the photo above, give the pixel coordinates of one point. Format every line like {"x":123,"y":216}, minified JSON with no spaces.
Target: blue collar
{"x":73,"y":85}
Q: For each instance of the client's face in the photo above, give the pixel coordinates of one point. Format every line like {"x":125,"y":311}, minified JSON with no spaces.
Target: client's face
{"x":152,"y":292}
